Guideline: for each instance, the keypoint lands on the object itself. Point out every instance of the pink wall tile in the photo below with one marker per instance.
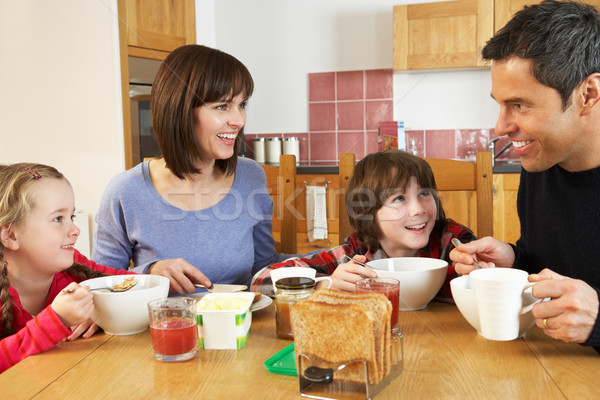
(321, 86)
(469, 142)
(376, 111)
(372, 144)
(419, 137)
(440, 144)
(350, 85)
(380, 84)
(352, 142)
(350, 116)
(323, 146)
(322, 117)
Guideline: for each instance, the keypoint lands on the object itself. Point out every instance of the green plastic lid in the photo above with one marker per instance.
(283, 362)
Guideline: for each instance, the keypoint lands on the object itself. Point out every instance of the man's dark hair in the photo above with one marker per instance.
(562, 40)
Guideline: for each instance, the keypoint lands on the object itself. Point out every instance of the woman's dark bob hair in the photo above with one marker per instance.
(374, 178)
(191, 76)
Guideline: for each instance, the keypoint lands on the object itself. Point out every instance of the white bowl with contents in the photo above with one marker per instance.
(125, 313)
(420, 278)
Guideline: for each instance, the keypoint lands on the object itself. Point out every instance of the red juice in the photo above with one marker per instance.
(174, 337)
(391, 291)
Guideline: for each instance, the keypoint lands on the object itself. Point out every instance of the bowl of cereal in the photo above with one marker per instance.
(125, 313)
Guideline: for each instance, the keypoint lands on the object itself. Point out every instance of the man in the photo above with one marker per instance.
(546, 78)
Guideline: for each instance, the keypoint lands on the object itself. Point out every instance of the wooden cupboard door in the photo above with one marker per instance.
(505, 9)
(441, 35)
(157, 27)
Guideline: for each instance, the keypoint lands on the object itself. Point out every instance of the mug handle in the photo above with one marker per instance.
(528, 308)
(325, 278)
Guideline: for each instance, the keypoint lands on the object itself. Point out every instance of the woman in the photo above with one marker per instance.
(199, 213)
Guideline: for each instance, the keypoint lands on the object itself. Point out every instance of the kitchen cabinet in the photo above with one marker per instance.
(442, 35)
(506, 221)
(149, 29)
(157, 27)
(450, 34)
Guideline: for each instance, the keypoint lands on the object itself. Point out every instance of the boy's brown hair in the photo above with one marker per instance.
(374, 178)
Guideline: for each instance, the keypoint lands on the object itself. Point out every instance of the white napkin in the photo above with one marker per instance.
(316, 212)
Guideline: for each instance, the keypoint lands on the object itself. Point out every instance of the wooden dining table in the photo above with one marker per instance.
(444, 358)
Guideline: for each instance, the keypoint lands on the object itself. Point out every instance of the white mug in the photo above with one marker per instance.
(305, 272)
(499, 293)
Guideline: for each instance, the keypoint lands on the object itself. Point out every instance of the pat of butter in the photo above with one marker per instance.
(224, 304)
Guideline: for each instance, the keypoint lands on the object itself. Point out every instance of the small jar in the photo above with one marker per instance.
(289, 292)
(258, 145)
(291, 145)
(272, 150)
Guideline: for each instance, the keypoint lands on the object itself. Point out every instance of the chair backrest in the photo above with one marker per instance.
(281, 183)
(466, 190)
(346, 168)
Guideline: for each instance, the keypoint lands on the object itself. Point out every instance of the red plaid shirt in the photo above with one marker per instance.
(326, 262)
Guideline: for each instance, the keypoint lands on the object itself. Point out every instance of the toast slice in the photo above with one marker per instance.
(335, 333)
(380, 309)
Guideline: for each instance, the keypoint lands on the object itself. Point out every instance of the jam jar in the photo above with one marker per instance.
(290, 291)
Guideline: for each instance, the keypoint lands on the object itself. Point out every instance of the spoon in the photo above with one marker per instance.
(121, 287)
(457, 243)
(222, 288)
(358, 262)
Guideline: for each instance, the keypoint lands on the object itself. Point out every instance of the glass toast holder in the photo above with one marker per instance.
(317, 378)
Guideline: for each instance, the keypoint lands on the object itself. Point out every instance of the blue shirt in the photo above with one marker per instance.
(228, 242)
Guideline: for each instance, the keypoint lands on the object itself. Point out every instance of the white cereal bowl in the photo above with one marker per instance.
(420, 278)
(125, 313)
(464, 297)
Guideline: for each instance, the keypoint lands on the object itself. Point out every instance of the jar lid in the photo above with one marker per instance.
(295, 282)
(259, 139)
(292, 138)
(274, 139)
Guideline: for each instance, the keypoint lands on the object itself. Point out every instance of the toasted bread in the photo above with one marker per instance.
(335, 333)
(379, 308)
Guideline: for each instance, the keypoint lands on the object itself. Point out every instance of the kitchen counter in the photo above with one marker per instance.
(306, 168)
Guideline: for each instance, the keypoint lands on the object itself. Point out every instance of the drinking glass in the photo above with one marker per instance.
(389, 287)
(173, 328)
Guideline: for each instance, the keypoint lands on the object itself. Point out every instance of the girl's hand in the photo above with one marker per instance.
(86, 329)
(345, 275)
(73, 308)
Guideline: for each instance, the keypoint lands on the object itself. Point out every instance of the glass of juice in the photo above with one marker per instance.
(389, 287)
(173, 328)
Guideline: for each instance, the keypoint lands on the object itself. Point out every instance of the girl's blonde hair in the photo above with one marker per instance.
(17, 197)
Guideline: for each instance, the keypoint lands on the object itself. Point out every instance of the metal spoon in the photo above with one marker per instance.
(358, 262)
(457, 243)
(115, 288)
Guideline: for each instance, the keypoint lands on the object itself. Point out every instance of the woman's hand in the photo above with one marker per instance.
(488, 252)
(345, 275)
(181, 274)
(75, 307)
(571, 313)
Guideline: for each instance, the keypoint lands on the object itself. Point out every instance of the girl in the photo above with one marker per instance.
(39, 268)
(199, 213)
(393, 205)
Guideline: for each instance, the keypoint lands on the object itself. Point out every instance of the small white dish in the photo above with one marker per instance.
(264, 302)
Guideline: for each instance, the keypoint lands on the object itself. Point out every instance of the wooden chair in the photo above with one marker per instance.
(465, 188)
(466, 191)
(281, 183)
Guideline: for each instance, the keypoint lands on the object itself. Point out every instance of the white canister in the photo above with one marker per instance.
(291, 145)
(258, 145)
(272, 150)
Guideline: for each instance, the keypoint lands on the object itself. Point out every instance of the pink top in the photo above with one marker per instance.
(43, 332)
